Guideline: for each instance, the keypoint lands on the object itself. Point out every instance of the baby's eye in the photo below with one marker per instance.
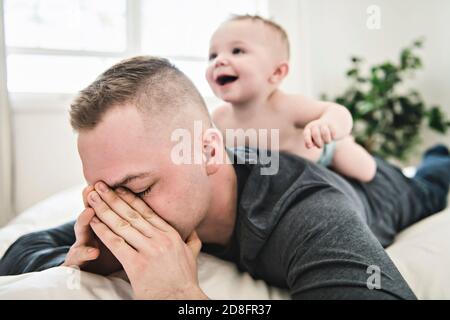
(212, 56)
(238, 51)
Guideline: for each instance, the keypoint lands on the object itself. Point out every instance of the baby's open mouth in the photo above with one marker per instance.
(225, 79)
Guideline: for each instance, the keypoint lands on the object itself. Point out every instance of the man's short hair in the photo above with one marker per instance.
(152, 84)
(268, 23)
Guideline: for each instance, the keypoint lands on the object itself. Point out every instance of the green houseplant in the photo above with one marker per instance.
(387, 117)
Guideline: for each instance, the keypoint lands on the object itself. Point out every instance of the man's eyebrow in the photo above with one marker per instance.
(129, 178)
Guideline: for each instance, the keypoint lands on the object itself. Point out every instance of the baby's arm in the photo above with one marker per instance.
(352, 160)
(322, 121)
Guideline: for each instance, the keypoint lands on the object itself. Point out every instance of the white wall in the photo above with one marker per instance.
(46, 157)
(337, 30)
(293, 16)
(6, 210)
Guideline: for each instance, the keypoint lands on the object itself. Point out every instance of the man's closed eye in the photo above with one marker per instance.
(143, 193)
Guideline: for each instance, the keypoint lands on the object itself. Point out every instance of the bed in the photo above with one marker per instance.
(421, 253)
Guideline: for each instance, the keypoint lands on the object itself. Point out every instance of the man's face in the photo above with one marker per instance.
(123, 151)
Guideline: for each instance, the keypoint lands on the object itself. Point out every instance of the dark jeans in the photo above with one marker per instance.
(433, 176)
(395, 202)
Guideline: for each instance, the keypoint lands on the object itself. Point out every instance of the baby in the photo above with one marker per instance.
(249, 57)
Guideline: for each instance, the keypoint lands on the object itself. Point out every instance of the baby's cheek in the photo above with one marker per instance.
(208, 75)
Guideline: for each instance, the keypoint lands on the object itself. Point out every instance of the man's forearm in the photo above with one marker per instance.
(38, 251)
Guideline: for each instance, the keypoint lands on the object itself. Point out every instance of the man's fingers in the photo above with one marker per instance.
(119, 226)
(86, 191)
(82, 230)
(194, 243)
(124, 210)
(78, 256)
(85, 217)
(116, 244)
(88, 253)
(144, 210)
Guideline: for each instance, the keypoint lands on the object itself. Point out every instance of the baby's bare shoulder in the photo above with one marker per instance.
(288, 103)
(299, 100)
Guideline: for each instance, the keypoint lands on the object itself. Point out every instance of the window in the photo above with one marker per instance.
(60, 46)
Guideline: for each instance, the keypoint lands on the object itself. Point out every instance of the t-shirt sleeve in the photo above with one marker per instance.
(38, 251)
(327, 252)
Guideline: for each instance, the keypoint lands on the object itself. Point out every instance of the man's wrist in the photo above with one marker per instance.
(200, 295)
(195, 293)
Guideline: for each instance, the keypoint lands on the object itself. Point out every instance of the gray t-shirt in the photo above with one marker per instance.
(306, 229)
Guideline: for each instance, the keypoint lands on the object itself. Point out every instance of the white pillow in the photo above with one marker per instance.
(63, 283)
(218, 279)
(422, 255)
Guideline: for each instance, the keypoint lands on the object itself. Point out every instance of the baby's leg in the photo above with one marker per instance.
(352, 160)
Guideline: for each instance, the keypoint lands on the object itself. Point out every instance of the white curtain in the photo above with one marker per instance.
(6, 207)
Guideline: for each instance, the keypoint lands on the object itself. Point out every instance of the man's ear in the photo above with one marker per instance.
(213, 150)
(280, 72)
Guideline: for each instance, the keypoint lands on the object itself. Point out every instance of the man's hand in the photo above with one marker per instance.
(317, 133)
(88, 253)
(158, 263)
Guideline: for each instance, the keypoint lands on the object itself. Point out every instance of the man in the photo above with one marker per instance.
(303, 228)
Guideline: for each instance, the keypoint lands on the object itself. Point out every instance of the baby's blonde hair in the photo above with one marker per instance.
(268, 23)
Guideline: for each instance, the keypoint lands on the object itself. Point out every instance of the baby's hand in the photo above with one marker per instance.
(317, 133)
